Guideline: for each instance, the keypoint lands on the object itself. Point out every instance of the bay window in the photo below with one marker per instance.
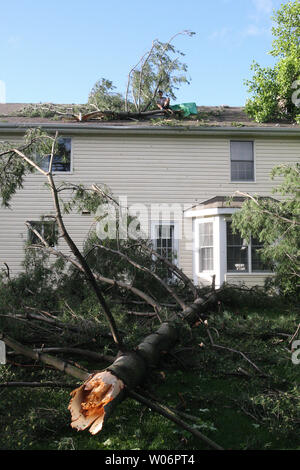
(243, 256)
(206, 250)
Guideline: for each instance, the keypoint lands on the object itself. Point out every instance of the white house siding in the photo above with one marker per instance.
(249, 280)
(147, 169)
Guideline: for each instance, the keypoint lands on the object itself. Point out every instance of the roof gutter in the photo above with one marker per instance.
(180, 130)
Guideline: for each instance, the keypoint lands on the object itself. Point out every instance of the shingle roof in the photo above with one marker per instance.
(224, 202)
(208, 116)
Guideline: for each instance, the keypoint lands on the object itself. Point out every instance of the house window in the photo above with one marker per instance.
(61, 160)
(243, 256)
(47, 229)
(164, 241)
(206, 250)
(242, 160)
(237, 252)
(257, 265)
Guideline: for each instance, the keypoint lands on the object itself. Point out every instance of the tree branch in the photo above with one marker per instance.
(265, 211)
(171, 415)
(146, 270)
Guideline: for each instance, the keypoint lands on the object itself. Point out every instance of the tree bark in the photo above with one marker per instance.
(94, 401)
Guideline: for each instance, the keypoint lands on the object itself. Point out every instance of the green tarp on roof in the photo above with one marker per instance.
(187, 108)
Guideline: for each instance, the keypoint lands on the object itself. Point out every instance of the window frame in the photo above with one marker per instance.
(249, 259)
(155, 224)
(30, 233)
(57, 172)
(247, 247)
(253, 141)
(204, 220)
(202, 247)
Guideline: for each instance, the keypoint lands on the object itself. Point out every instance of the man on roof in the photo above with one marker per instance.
(162, 101)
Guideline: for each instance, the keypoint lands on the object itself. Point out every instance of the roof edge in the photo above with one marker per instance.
(205, 130)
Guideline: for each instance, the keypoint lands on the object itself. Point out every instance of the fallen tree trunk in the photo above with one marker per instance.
(122, 114)
(94, 401)
(85, 114)
(102, 391)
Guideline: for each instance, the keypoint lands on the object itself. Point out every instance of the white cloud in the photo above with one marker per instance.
(260, 18)
(263, 6)
(220, 33)
(255, 30)
(13, 41)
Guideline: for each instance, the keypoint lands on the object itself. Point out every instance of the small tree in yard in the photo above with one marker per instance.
(275, 90)
(277, 225)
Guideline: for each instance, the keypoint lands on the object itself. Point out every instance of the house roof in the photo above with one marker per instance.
(209, 118)
(223, 202)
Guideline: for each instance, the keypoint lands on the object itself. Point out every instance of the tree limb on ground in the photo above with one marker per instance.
(95, 400)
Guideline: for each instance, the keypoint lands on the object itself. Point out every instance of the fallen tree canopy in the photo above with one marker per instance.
(182, 379)
(159, 68)
(97, 398)
(85, 113)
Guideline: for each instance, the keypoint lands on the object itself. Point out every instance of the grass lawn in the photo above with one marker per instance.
(234, 404)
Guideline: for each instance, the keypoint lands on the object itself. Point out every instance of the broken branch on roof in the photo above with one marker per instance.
(84, 113)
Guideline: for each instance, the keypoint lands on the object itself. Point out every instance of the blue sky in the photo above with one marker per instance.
(55, 51)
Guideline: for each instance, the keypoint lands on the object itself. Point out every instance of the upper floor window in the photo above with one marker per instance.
(61, 160)
(241, 160)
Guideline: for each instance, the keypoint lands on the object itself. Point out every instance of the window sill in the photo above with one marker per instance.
(56, 173)
(242, 181)
(247, 273)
